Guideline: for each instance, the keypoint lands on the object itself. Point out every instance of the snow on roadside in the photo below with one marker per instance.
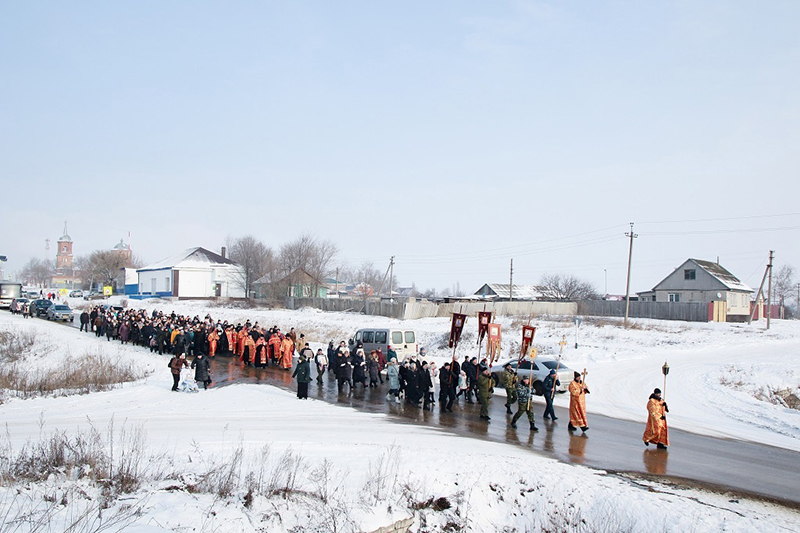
(381, 471)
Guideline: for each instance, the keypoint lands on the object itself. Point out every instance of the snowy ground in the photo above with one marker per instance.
(720, 374)
(377, 471)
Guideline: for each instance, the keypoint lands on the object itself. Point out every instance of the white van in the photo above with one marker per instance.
(402, 341)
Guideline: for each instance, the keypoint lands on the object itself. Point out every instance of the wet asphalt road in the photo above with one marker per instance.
(610, 444)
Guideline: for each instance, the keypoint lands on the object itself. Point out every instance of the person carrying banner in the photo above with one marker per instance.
(484, 391)
(577, 404)
(656, 430)
(510, 384)
(524, 403)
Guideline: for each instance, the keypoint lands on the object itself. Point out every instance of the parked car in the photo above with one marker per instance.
(94, 296)
(41, 306)
(537, 370)
(77, 293)
(59, 312)
(402, 341)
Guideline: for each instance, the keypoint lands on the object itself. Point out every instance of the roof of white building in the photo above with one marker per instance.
(196, 257)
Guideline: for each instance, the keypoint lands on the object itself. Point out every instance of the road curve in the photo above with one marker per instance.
(610, 444)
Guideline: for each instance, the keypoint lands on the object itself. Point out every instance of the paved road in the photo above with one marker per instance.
(611, 444)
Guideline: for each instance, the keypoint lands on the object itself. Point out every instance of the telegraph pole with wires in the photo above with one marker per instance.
(511, 282)
(391, 276)
(769, 288)
(632, 236)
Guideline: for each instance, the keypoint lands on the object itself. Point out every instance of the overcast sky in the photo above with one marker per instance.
(454, 135)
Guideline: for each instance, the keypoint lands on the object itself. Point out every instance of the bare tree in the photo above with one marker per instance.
(37, 272)
(309, 254)
(255, 258)
(567, 287)
(783, 283)
(367, 279)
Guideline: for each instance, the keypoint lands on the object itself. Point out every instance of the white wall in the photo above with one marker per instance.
(163, 281)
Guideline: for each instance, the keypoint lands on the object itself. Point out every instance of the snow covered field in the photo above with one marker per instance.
(321, 467)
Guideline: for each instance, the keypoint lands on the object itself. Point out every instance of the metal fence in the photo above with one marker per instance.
(686, 311)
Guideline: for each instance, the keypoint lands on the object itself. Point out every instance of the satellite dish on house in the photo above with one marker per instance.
(719, 295)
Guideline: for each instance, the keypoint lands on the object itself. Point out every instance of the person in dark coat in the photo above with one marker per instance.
(425, 385)
(303, 374)
(85, 321)
(447, 389)
(470, 368)
(413, 393)
(373, 366)
(548, 387)
(201, 373)
(343, 370)
(359, 367)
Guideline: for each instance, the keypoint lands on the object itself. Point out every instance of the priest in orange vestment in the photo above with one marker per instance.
(656, 430)
(287, 352)
(577, 404)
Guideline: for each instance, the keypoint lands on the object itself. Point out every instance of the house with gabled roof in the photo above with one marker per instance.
(504, 292)
(704, 282)
(192, 273)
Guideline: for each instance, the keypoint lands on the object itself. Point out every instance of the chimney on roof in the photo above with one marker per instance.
(717, 260)
(223, 251)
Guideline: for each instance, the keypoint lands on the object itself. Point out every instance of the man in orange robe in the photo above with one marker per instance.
(656, 430)
(577, 404)
(213, 337)
(248, 349)
(240, 335)
(287, 351)
(275, 342)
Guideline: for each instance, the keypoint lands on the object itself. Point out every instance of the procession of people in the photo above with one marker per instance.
(412, 381)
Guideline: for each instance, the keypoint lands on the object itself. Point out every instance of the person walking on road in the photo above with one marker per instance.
(510, 384)
(393, 377)
(523, 401)
(656, 430)
(303, 374)
(577, 404)
(549, 387)
(484, 391)
(321, 360)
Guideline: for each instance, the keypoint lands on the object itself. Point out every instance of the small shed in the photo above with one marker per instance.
(195, 273)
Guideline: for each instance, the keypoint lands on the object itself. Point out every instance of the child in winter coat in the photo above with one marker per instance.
(462, 384)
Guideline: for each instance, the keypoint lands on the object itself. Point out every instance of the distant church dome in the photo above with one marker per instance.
(121, 246)
(65, 237)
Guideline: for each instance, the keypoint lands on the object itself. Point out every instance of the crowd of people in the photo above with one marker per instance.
(412, 380)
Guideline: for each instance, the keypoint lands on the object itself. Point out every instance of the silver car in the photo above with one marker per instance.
(537, 370)
(59, 312)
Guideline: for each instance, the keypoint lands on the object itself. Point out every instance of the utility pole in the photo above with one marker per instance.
(769, 288)
(605, 274)
(632, 236)
(337, 282)
(797, 304)
(511, 283)
(391, 276)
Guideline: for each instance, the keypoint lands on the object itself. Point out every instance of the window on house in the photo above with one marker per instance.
(674, 297)
(689, 273)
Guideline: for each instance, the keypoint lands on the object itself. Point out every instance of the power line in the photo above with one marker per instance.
(719, 219)
(719, 231)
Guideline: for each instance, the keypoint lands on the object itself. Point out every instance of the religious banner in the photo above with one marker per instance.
(484, 317)
(456, 326)
(493, 344)
(527, 338)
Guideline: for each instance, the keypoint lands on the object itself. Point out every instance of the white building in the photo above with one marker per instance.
(193, 273)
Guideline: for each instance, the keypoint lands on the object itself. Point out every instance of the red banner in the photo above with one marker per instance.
(493, 344)
(484, 317)
(456, 326)
(527, 338)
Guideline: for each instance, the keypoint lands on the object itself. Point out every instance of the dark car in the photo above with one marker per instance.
(41, 306)
(59, 312)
